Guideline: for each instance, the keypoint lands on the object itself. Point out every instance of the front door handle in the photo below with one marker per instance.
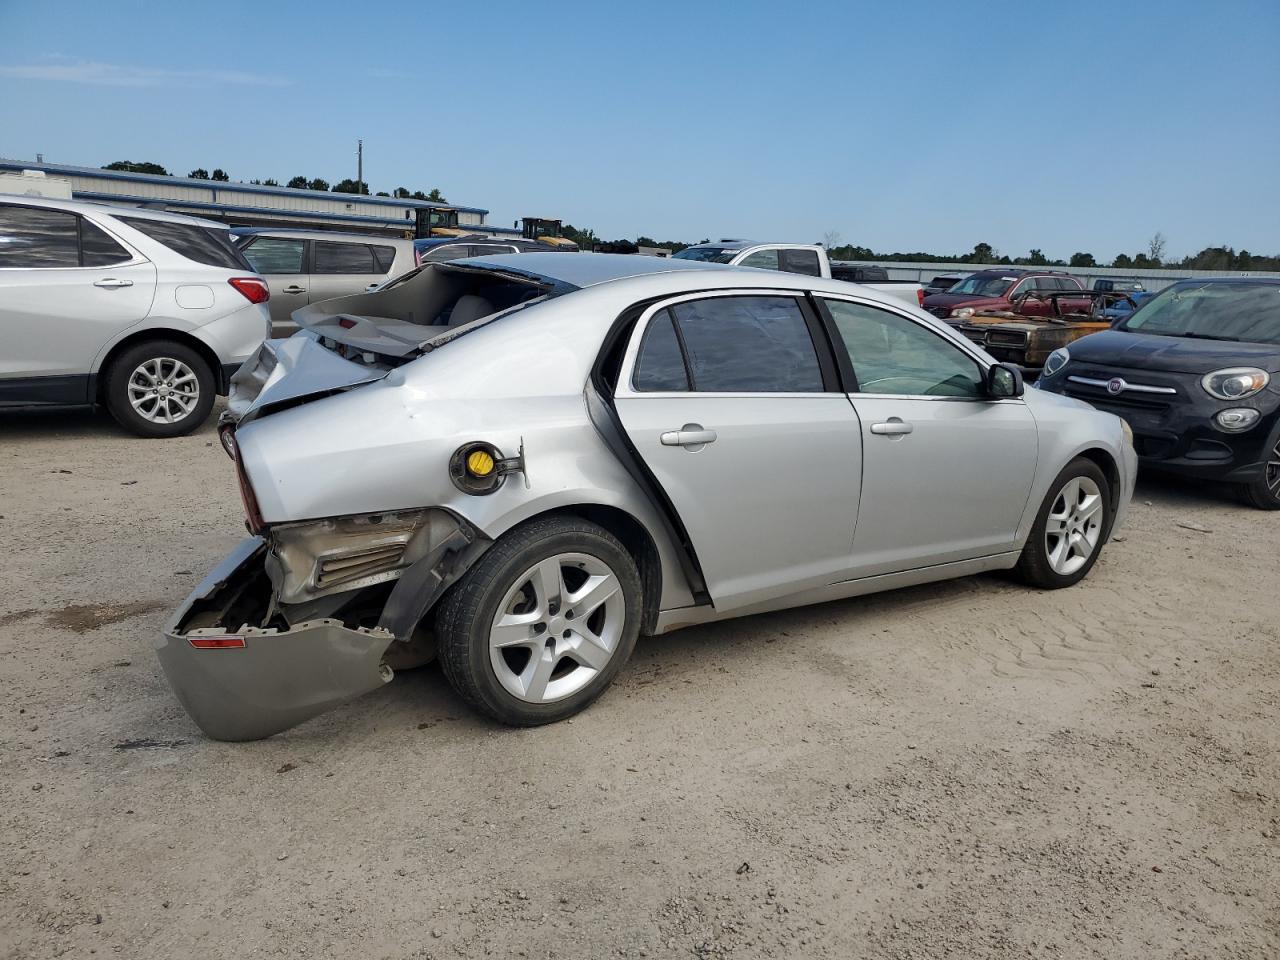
(692, 436)
(893, 427)
(111, 283)
(295, 289)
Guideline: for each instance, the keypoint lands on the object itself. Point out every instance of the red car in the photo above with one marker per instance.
(997, 289)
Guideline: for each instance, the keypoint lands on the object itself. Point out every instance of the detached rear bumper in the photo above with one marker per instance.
(278, 678)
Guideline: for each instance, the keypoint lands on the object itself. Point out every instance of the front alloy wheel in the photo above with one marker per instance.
(540, 626)
(1264, 493)
(1069, 528)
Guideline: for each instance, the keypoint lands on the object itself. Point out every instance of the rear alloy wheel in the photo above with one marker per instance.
(1264, 493)
(540, 626)
(1069, 528)
(160, 389)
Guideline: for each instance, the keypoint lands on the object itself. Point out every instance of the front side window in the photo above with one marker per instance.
(761, 259)
(211, 247)
(800, 261)
(38, 237)
(270, 255)
(747, 345)
(342, 258)
(893, 355)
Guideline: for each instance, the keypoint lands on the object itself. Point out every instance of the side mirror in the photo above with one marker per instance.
(1004, 382)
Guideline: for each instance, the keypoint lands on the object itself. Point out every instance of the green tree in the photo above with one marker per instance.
(220, 175)
(402, 192)
(319, 184)
(350, 186)
(436, 196)
(199, 173)
(299, 183)
(270, 183)
(1083, 260)
(982, 253)
(130, 167)
(382, 193)
(1035, 258)
(1123, 261)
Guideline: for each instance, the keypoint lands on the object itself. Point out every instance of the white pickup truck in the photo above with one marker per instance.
(809, 259)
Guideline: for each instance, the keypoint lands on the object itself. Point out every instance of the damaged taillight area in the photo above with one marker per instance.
(252, 512)
(311, 614)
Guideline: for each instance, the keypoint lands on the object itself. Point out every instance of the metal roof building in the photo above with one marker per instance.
(247, 204)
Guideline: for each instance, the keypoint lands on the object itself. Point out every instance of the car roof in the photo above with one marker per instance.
(91, 207)
(588, 269)
(1270, 281)
(293, 233)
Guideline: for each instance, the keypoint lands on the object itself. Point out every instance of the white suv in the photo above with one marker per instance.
(147, 312)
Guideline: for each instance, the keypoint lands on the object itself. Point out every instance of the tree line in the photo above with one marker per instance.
(349, 185)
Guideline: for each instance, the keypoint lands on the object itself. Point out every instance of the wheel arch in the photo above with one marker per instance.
(635, 537)
(1110, 469)
(98, 385)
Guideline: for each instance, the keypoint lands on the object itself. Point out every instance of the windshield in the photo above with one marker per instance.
(707, 254)
(1216, 311)
(977, 286)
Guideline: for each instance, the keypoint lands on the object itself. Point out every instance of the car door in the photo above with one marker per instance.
(339, 269)
(67, 286)
(732, 402)
(946, 470)
(282, 262)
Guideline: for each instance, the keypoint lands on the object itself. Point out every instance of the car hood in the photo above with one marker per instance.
(961, 300)
(1143, 351)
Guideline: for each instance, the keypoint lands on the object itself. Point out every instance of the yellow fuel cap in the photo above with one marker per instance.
(479, 463)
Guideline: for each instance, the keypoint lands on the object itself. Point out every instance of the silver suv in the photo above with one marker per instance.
(149, 313)
(306, 266)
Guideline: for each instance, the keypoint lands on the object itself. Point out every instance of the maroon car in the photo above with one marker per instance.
(997, 289)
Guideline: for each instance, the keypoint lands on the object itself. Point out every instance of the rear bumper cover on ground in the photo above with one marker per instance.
(279, 678)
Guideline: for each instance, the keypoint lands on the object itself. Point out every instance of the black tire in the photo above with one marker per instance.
(465, 615)
(1264, 493)
(118, 383)
(1034, 566)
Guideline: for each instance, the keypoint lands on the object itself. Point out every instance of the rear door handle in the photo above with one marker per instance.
(295, 289)
(691, 435)
(111, 283)
(893, 427)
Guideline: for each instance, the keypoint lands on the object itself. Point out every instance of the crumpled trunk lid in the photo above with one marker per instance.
(288, 370)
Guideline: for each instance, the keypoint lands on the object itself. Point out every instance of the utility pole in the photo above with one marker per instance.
(359, 166)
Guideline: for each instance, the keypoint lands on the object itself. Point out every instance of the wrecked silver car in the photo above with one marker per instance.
(519, 464)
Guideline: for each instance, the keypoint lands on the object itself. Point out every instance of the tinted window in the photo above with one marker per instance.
(384, 257)
(448, 251)
(660, 365)
(36, 237)
(748, 345)
(98, 249)
(983, 285)
(489, 249)
(342, 258)
(201, 244)
(801, 261)
(275, 255)
(894, 355)
(762, 259)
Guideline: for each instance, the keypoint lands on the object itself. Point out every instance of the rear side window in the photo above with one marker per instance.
(384, 257)
(448, 251)
(211, 247)
(38, 237)
(98, 249)
(270, 255)
(343, 258)
(660, 365)
(761, 259)
(800, 261)
(748, 345)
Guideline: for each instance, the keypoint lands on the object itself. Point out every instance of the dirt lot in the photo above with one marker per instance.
(964, 770)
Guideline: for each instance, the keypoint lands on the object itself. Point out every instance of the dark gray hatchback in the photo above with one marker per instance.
(1195, 371)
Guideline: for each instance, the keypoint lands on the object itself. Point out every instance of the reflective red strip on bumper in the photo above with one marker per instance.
(217, 643)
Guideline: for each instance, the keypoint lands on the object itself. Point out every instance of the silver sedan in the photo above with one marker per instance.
(520, 464)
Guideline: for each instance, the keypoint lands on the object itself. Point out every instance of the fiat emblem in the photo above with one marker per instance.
(1116, 385)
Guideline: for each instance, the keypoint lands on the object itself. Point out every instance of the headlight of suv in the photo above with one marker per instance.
(962, 313)
(1236, 383)
(1056, 361)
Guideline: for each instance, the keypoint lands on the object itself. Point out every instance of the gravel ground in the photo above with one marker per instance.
(969, 769)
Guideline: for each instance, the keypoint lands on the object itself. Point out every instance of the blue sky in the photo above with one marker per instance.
(930, 125)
